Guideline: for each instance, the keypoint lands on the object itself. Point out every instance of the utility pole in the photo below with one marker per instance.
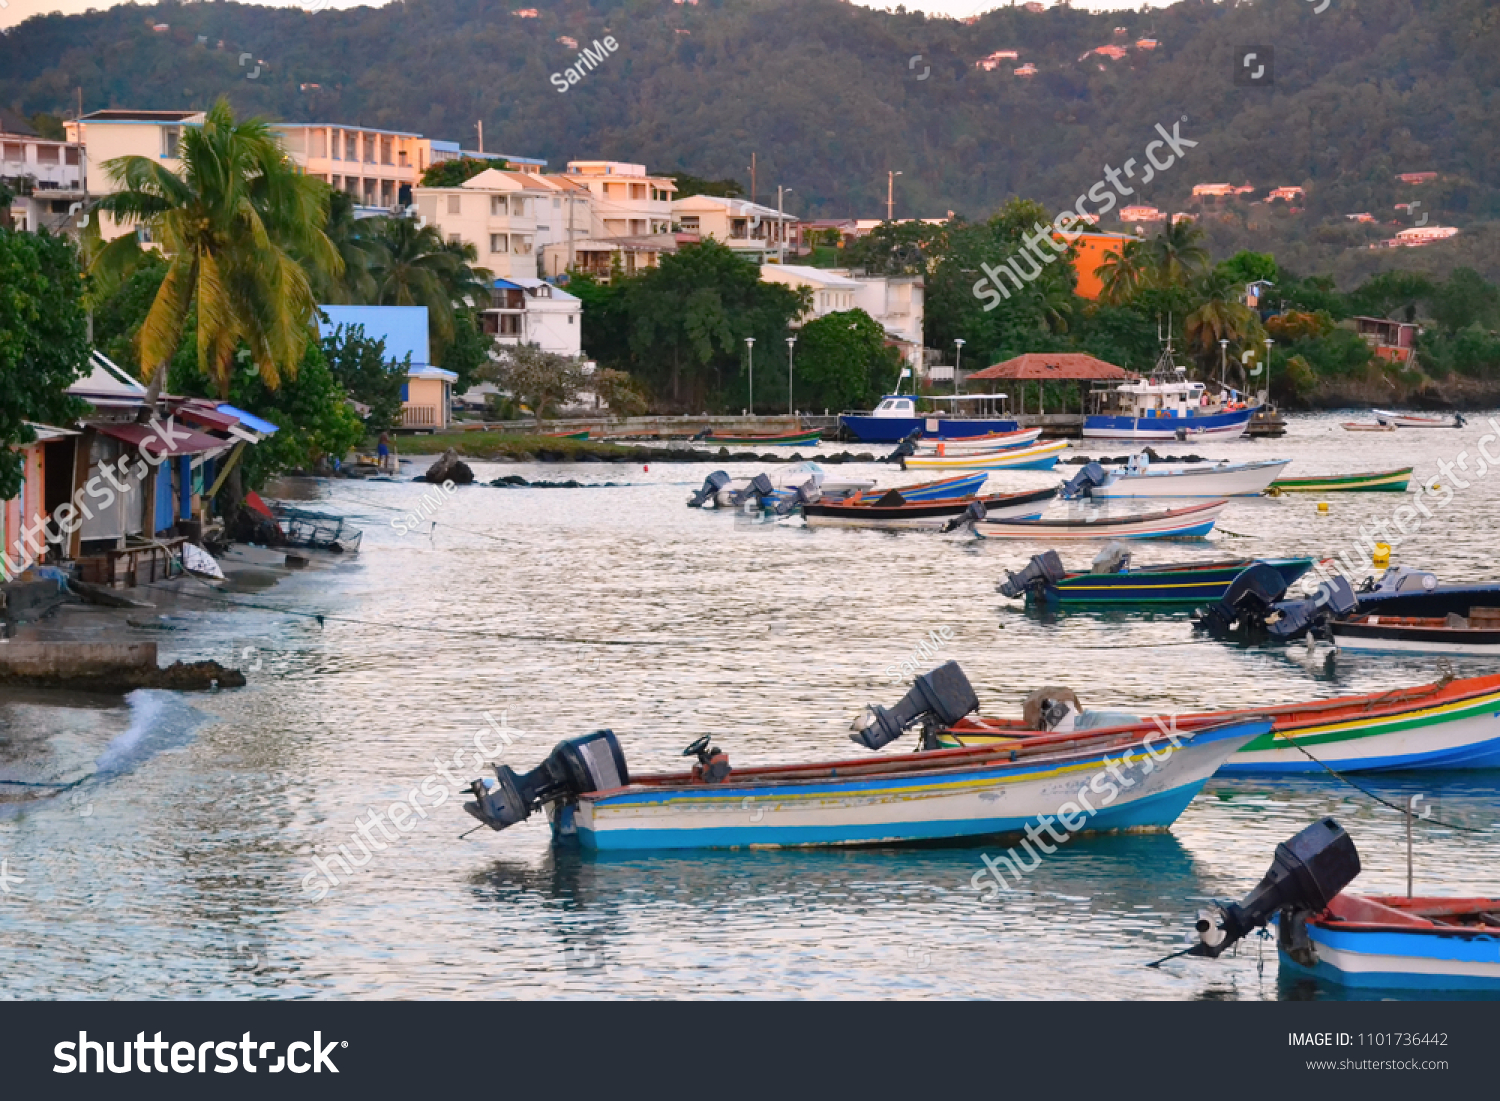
(790, 408)
(890, 195)
(752, 177)
(750, 352)
(480, 124)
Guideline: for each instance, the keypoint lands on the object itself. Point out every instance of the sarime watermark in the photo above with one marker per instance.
(427, 506)
(589, 59)
(1075, 815)
(930, 647)
(1439, 490)
(1047, 242)
(404, 814)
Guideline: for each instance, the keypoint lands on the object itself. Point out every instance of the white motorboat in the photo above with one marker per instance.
(1226, 479)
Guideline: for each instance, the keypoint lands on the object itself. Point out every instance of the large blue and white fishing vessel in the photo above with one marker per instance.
(1166, 406)
(896, 417)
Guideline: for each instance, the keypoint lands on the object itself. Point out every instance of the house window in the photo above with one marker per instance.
(518, 206)
(498, 209)
(351, 149)
(171, 138)
(46, 154)
(570, 319)
(455, 239)
(385, 151)
(690, 223)
(498, 243)
(521, 244)
(369, 148)
(405, 391)
(556, 204)
(455, 204)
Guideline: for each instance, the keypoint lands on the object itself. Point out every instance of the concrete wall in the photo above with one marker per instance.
(74, 659)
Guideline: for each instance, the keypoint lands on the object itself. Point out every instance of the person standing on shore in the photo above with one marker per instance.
(386, 453)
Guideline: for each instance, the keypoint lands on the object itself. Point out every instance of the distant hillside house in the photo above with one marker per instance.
(1183, 216)
(526, 13)
(1288, 194)
(1146, 44)
(1142, 214)
(1113, 52)
(1027, 69)
(755, 231)
(1417, 177)
(1212, 190)
(992, 62)
(1362, 216)
(1392, 341)
(1425, 235)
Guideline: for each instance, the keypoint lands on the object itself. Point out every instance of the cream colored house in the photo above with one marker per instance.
(626, 201)
(106, 135)
(494, 211)
(757, 232)
(830, 293)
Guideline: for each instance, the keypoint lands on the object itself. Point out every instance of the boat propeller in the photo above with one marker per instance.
(576, 766)
(1307, 872)
(711, 487)
(938, 698)
(974, 513)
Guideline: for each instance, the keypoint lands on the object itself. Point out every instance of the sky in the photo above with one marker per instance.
(14, 11)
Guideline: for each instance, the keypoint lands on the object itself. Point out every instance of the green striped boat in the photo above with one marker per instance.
(1391, 481)
(785, 439)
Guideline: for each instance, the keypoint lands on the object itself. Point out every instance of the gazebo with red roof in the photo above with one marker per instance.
(1045, 367)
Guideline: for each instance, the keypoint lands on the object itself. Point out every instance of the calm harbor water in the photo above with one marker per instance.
(179, 865)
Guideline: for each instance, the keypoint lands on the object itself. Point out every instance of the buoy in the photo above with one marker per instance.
(646, 469)
(1322, 506)
(1382, 556)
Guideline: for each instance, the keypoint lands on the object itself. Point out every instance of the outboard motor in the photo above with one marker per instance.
(591, 762)
(711, 487)
(1309, 870)
(908, 446)
(1044, 569)
(1114, 558)
(796, 498)
(760, 486)
(938, 698)
(1334, 600)
(975, 512)
(1248, 601)
(1086, 479)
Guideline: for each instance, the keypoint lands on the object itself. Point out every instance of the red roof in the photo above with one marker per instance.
(149, 437)
(1053, 365)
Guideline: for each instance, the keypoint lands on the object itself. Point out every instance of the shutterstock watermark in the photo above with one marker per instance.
(1075, 815)
(404, 814)
(1046, 243)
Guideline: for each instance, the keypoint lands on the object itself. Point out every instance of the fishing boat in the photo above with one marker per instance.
(1166, 406)
(1389, 481)
(1449, 724)
(1474, 635)
(896, 417)
(781, 439)
(1356, 426)
(1378, 942)
(959, 485)
(1140, 478)
(1038, 456)
(959, 794)
(1192, 522)
(893, 512)
(990, 441)
(1113, 580)
(1409, 420)
(580, 435)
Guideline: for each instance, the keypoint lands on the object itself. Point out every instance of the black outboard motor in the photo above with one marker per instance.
(938, 698)
(760, 486)
(976, 511)
(1086, 479)
(711, 487)
(804, 494)
(1309, 870)
(1043, 570)
(908, 446)
(1334, 600)
(1249, 600)
(591, 762)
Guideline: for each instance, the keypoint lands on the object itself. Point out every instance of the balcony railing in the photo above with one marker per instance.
(419, 416)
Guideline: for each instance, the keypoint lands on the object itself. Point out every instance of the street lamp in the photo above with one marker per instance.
(1223, 366)
(957, 362)
(790, 341)
(1269, 342)
(750, 351)
(890, 195)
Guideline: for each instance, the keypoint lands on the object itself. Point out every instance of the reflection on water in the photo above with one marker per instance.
(179, 867)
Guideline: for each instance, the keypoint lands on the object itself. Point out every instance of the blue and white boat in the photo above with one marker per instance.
(1140, 777)
(1166, 406)
(896, 417)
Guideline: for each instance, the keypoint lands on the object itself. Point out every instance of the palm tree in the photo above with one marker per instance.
(1175, 256)
(229, 227)
(354, 286)
(1221, 315)
(411, 265)
(1122, 273)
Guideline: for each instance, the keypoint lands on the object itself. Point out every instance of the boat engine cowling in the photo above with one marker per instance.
(942, 696)
(793, 499)
(1250, 600)
(1086, 479)
(1308, 871)
(760, 486)
(1335, 598)
(1044, 569)
(907, 446)
(590, 762)
(711, 487)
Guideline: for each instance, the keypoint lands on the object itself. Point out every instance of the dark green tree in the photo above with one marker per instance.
(359, 364)
(843, 362)
(456, 172)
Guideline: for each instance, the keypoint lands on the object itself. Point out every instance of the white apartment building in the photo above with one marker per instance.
(109, 134)
(494, 211)
(898, 303)
(627, 202)
(46, 177)
(831, 293)
(531, 311)
(758, 232)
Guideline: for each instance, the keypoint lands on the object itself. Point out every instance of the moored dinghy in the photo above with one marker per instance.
(1114, 581)
(1035, 456)
(1412, 420)
(1390, 481)
(1192, 522)
(590, 796)
(1139, 478)
(893, 512)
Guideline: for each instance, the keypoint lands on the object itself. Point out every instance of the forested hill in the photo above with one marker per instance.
(829, 96)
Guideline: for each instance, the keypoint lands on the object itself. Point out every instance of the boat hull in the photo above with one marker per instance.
(1388, 481)
(868, 429)
(928, 516)
(1244, 480)
(1105, 427)
(1404, 420)
(1188, 584)
(1034, 457)
(1396, 957)
(1001, 442)
(949, 804)
(1382, 638)
(1187, 523)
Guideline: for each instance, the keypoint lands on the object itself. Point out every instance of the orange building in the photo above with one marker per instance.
(1088, 257)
